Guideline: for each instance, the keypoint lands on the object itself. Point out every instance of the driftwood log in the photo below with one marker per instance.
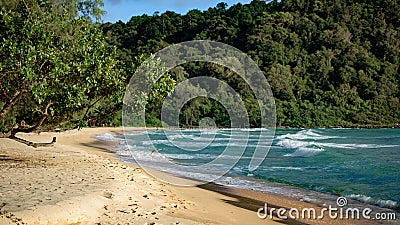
(33, 144)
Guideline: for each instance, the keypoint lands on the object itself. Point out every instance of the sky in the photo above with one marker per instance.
(124, 9)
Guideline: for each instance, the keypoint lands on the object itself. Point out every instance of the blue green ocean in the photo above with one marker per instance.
(361, 164)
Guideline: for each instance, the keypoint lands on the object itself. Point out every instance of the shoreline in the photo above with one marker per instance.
(250, 199)
(317, 199)
(318, 195)
(110, 196)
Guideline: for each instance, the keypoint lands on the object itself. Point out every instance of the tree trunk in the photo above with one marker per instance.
(34, 127)
(11, 102)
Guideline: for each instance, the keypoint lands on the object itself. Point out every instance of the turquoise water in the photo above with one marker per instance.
(362, 164)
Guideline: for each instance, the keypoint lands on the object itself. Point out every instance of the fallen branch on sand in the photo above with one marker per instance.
(35, 145)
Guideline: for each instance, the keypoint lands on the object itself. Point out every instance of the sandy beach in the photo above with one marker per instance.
(79, 181)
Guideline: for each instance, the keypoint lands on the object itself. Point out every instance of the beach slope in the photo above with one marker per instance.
(78, 181)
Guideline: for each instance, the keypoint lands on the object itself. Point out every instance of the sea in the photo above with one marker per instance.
(312, 165)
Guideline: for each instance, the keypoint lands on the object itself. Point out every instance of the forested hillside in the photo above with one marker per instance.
(329, 63)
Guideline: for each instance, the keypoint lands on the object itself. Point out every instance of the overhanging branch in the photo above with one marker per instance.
(10, 103)
(34, 127)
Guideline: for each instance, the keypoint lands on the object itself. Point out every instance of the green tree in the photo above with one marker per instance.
(49, 74)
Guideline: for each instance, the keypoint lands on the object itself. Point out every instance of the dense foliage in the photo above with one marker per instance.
(329, 63)
(55, 66)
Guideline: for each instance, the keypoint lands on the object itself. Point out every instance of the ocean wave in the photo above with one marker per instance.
(153, 142)
(206, 139)
(108, 137)
(369, 200)
(186, 156)
(253, 129)
(292, 144)
(201, 145)
(308, 134)
(295, 144)
(158, 155)
(284, 168)
(240, 169)
(355, 146)
(209, 132)
(305, 152)
(180, 136)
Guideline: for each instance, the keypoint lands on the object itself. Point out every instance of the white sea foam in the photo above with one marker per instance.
(253, 129)
(239, 136)
(208, 132)
(152, 142)
(308, 134)
(196, 145)
(186, 156)
(305, 152)
(180, 136)
(284, 168)
(372, 201)
(292, 144)
(354, 146)
(299, 140)
(108, 137)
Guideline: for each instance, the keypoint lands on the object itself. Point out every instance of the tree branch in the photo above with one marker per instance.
(87, 110)
(34, 127)
(10, 103)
